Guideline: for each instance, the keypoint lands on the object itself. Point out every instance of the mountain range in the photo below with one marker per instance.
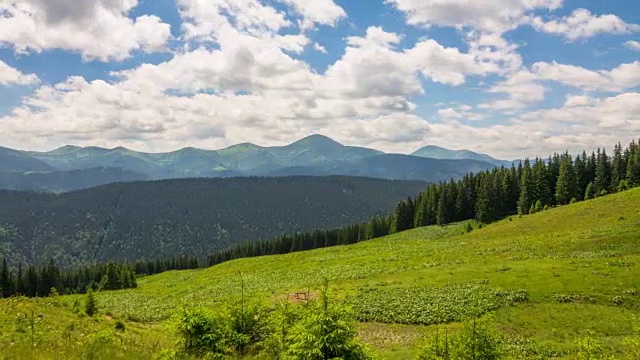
(71, 167)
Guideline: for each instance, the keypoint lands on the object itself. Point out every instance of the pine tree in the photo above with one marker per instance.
(567, 185)
(7, 282)
(581, 176)
(590, 192)
(602, 181)
(633, 165)
(526, 182)
(442, 217)
(90, 306)
(484, 204)
(618, 168)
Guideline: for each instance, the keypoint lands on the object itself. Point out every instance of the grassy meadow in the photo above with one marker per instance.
(548, 279)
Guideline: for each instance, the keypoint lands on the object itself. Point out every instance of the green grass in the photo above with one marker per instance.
(578, 265)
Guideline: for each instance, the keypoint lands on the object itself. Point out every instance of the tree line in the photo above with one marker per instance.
(49, 279)
(529, 187)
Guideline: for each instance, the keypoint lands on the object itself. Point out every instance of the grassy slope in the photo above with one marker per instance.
(577, 249)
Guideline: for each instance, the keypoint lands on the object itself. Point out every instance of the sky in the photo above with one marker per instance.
(511, 78)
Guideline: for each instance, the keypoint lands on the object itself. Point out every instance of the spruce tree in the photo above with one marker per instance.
(90, 305)
(618, 168)
(602, 181)
(525, 201)
(484, 204)
(7, 282)
(567, 185)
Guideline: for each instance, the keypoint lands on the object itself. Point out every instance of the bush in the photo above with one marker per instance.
(478, 340)
(202, 333)
(573, 201)
(90, 306)
(623, 186)
(538, 206)
(326, 331)
(591, 348)
(248, 325)
(120, 326)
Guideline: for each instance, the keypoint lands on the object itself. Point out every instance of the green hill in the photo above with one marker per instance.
(548, 278)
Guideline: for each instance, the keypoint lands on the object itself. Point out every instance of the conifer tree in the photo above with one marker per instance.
(484, 204)
(602, 181)
(567, 185)
(525, 201)
(7, 282)
(618, 168)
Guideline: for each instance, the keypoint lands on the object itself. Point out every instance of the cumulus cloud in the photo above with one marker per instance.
(98, 30)
(625, 76)
(323, 12)
(484, 15)
(521, 88)
(9, 75)
(633, 45)
(582, 24)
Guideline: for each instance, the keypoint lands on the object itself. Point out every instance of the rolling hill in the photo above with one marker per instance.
(158, 219)
(574, 269)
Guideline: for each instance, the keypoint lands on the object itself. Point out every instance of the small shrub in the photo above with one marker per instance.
(573, 201)
(623, 185)
(539, 206)
(90, 305)
(326, 330)
(618, 300)
(546, 207)
(120, 326)
(590, 348)
(603, 192)
(202, 333)
(468, 228)
(478, 340)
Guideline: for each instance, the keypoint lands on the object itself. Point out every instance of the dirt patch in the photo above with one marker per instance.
(298, 297)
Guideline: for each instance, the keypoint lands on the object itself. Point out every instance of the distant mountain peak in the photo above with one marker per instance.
(65, 149)
(317, 140)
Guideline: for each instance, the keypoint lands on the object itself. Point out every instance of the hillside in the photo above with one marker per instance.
(576, 265)
(66, 180)
(158, 219)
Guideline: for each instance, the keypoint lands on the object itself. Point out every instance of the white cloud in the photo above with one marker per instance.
(484, 15)
(633, 45)
(579, 100)
(320, 48)
(208, 20)
(582, 24)
(522, 90)
(625, 76)
(460, 112)
(323, 12)
(9, 75)
(96, 29)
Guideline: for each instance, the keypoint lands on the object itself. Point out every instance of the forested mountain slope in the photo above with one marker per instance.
(157, 219)
(65, 180)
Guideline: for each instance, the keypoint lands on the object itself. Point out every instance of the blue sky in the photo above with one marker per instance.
(507, 77)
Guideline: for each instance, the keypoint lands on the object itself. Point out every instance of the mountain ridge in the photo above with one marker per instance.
(315, 155)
